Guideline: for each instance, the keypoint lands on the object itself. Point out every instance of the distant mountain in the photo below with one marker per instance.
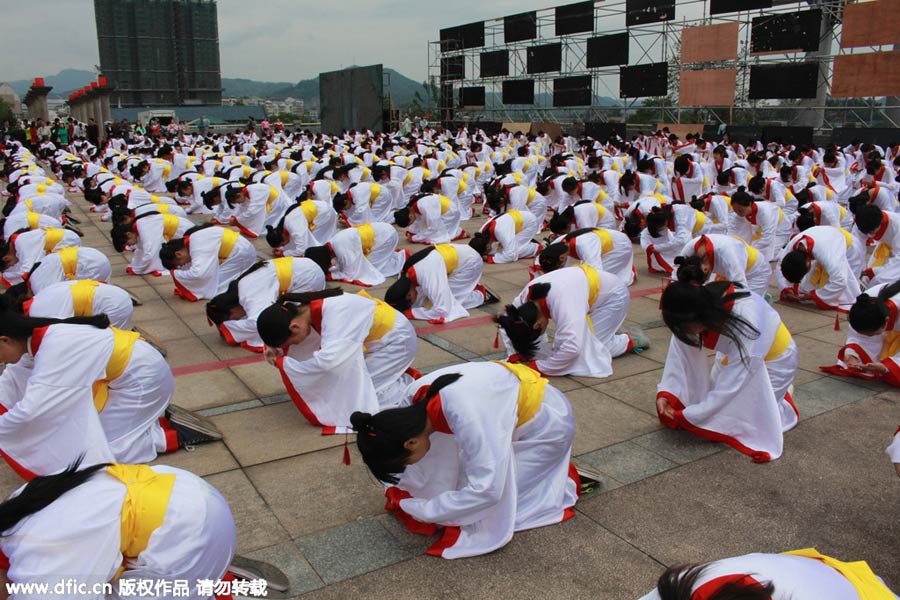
(63, 83)
(246, 88)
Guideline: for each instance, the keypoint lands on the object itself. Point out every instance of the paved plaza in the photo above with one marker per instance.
(666, 497)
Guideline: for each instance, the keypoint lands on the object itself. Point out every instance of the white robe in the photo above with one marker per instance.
(441, 296)
(55, 301)
(19, 220)
(661, 251)
(78, 536)
(259, 290)
(206, 275)
(745, 401)
(91, 264)
(434, 224)
(265, 205)
(884, 264)
(732, 259)
(301, 234)
(51, 417)
(335, 372)
(353, 265)
(603, 249)
(31, 247)
(760, 228)
(486, 476)
(150, 232)
(508, 245)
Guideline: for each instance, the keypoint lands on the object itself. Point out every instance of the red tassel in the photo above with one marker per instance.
(346, 450)
(663, 284)
(837, 321)
(497, 339)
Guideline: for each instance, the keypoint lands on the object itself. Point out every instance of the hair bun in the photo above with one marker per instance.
(361, 421)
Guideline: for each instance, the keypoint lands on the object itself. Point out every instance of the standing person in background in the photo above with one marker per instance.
(203, 125)
(93, 132)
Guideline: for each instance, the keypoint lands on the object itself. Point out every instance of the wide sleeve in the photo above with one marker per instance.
(435, 300)
(146, 255)
(508, 251)
(894, 449)
(569, 338)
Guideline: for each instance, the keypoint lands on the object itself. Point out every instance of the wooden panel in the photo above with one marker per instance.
(710, 87)
(513, 127)
(871, 24)
(554, 130)
(864, 75)
(681, 129)
(709, 42)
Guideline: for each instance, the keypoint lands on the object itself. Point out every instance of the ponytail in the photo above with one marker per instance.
(561, 221)
(20, 327)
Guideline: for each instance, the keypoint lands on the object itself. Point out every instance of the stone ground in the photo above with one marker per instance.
(667, 497)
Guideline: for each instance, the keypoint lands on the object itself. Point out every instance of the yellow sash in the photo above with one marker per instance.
(426, 174)
(166, 170)
(662, 199)
(163, 208)
(531, 193)
(34, 220)
(445, 203)
(531, 391)
(881, 254)
(83, 297)
(450, 256)
(517, 219)
(52, 236)
(366, 237)
(752, 256)
(284, 269)
(41, 189)
(28, 204)
(462, 187)
(373, 195)
(382, 322)
(68, 257)
(334, 188)
(847, 236)
(593, 279)
(858, 573)
(273, 193)
(891, 344)
(123, 344)
(700, 222)
(780, 343)
(408, 178)
(310, 211)
(606, 242)
(284, 178)
(518, 178)
(146, 500)
(819, 276)
(229, 239)
(170, 226)
(601, 210)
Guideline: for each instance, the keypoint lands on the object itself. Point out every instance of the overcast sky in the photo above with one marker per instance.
(266, 40)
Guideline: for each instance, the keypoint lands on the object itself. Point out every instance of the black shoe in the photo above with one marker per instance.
(489, 296)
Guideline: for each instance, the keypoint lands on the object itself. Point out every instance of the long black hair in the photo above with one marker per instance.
(396, 294)
(382, 436)
(518, 322)
(275, 235)
(41, 492)
(168, 249)
(561, 221)
(677, 583)
(686, 302)
(869, 314)
(219, 307)
(20, 327)
(273, 324)
(658, 220)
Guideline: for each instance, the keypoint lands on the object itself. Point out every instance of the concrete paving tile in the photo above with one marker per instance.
(313, 491)
(638, 391)
(827, 393)
(680, 447)
(351, 549)
(209, 389)
(9, 481)
(164, 330)
(290, 560)
(262, 378)
(257, 526)
(281, 426)
(659, 344)
(829, 335)
(415, 543)
(429, 355)
(219, 348)
(627, 462)
(575, 559)
(804, 376)
(478, 339)
(602, 421)
(830, 489)
(799, 320)
(448, 346)
(623, 366)
(643, 310)
(230, 408)
(815, 353)
(187, 351)
(154, 310)
(565, 384)
(205, 459)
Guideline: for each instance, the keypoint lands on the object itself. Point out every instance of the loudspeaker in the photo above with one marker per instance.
(462, 37)
(798, 80)
(495, 64)
(574, 18)
(641, 81)
(605, 131)
(641, 12)
(471, 96)
(453, 67)
(572, 91)
(717, 7)
(607, 50)
(793, 31)
(522, 26)
(519, 91)
(546, 58)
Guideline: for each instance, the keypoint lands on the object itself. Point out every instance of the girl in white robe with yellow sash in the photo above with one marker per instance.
(66, 264)
(364, 255)
(603, 249)
(206, 260)
(883, 229)
(305, 224)
(587, 306)
(78, 387)
(234, 311)
(147, 232)
(256, 206)
(25, 248)
(119, 524)
(430, 219)
(508, 237)
(796, 575)
(438, 284)
(483, 451)
(22, 220)
(668, 229)
(338, 353)
(82, 298)
(745, 401)
(728, 258)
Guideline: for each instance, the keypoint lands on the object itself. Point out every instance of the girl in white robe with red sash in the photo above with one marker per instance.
(430, 219)
(587, 306)
(484, 451)
(872, 349)
(581, 215)
(883, 229)
(234, 311)
(668, 229)
(365, 255)
(119, 524)
(365, 203)
(305, 224)
(757, 222)
(25, 248)
(603, 249)
(745, 402)
(206, 260)
(82, 298)
(74, 262)
(723, 257)
(508, 237)
(80, 389)
(256, 206)
(147, 232)
(439, 284)
(796, 575)
(338, 353)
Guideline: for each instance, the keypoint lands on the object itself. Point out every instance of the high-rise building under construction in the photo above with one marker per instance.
(160, 52)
